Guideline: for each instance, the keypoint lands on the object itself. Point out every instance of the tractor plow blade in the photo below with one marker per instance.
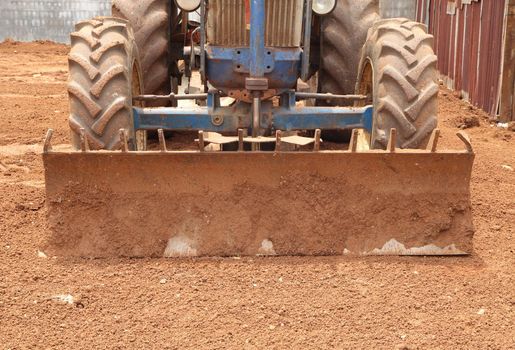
(104, 204)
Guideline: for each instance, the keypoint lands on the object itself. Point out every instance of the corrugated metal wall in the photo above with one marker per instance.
(28, 20)
(508, 75)
(469, 44)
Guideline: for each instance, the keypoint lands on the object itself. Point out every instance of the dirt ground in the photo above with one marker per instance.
(290, 302)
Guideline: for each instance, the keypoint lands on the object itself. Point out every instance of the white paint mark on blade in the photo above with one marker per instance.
(393, 247)
(179, 246)
(267, 248)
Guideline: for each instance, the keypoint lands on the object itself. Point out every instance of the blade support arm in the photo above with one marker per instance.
(230, 119)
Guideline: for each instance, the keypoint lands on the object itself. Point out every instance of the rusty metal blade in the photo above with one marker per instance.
(246, 203)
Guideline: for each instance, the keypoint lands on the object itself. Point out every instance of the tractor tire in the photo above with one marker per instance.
(150, 22)
(343, 34)
(398, 70)
(104, 75)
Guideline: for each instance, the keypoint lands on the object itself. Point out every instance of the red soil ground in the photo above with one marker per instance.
(289, 302)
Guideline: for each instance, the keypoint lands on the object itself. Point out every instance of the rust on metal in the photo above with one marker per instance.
(201, 143)
(123, 140)
(316, 146)
(240, 140)
(278, 140)
(84, 144)
(47, 145)
(433, 140)
(249, 203)
(466, 140)
(162, 140)
(353, 144)
(392, 141)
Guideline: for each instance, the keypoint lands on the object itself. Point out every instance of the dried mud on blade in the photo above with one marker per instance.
(158, 204)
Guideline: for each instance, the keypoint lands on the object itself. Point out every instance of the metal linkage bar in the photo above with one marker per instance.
(324, 118)
(222, 119)
(306, 41)
(171, 97)
(203, 41)
(321, 96)
(227, 119)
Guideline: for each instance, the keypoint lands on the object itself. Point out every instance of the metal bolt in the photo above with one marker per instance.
(217, 120)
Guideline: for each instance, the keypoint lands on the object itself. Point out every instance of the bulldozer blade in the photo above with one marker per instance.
(155, 204)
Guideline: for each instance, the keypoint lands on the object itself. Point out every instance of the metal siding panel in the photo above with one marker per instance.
(451, 72)
(469, 47)
(443, 23)
(458, 69)
(507, 107)
(490, 55)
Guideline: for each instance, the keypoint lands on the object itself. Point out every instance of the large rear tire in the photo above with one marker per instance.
(104, 74)
(398, 69)
(343, 34)
(150, 22)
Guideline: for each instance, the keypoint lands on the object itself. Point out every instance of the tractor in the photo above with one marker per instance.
(312, 124)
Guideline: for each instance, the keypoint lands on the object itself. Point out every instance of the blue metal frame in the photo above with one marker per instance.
(228, 68)
(257, 38)
(306, 41)
(287, 116)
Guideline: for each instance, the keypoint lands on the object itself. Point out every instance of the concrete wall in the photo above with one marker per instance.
(398, 8)
(27, 20)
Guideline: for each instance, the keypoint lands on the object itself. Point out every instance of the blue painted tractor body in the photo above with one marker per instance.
(253, 75)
